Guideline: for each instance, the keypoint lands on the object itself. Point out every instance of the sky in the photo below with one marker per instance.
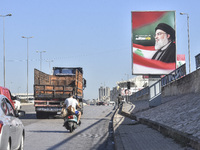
(92, 34)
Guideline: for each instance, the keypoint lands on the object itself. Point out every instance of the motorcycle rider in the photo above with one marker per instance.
(74, 103)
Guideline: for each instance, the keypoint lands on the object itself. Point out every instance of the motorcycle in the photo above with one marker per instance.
(70, 122)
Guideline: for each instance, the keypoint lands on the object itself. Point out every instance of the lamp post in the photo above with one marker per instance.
(188, 39)
(40, 58)
(4, 53)
(49, 61)
(27, 61)
(127, 87)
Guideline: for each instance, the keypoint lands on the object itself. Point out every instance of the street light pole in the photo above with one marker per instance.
(27, 61)
(127, 87)
(188, 39)
(40, 58)
(49, 61)
(4, 52)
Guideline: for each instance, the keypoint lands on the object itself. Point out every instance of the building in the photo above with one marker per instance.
(104, 93)
(114, 93)
(137, 83)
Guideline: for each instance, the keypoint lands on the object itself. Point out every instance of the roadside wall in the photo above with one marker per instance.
(135, 98)
(185, 85)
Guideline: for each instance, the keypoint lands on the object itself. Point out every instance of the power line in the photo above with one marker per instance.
(96, 53)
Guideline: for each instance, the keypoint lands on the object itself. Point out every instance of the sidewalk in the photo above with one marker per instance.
(130, 134)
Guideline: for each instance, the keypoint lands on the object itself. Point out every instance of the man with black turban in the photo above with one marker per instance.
(165, 43)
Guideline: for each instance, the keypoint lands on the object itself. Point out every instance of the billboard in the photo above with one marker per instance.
(153, 42)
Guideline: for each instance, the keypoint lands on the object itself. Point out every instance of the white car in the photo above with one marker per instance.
(12, 130)
(112, 103)
(17, 104)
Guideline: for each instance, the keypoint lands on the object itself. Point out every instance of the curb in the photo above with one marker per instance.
(116, 135)
(180, 137)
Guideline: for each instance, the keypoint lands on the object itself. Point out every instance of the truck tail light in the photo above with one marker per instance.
(1, 125)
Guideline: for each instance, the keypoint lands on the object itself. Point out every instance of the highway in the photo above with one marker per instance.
(49, 134)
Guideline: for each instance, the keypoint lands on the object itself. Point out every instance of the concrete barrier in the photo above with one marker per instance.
(185, 85)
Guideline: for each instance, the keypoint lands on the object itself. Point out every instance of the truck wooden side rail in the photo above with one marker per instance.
(50, 91)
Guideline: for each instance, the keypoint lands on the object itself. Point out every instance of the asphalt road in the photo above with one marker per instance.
(49, 134)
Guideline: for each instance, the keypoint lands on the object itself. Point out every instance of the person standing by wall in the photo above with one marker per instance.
(119, 99)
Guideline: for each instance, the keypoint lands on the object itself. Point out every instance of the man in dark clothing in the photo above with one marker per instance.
(119, 99)
(165, 44)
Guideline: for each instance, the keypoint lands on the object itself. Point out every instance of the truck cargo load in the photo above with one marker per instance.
(50, 91)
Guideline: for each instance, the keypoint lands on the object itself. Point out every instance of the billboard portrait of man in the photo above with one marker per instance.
(164, 43)
(153, 42)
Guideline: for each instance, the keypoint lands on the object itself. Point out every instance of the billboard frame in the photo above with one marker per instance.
(152, 74)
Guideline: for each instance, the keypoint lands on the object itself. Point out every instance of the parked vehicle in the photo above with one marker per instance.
(6, 92)
(12, 131)
(50, 91)
(100, 103)
(70, 122)
(17, 102)
(31, 100)
(111, 103)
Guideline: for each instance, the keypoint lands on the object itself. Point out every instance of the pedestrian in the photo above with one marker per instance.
(119, 99)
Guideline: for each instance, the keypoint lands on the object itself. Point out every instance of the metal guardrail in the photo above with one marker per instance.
(155, 94)
(155, 89)
(174, 75)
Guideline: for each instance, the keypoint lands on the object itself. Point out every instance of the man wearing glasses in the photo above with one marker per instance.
(165, 44)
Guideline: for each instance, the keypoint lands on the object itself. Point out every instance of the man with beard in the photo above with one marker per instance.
(165, 43)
